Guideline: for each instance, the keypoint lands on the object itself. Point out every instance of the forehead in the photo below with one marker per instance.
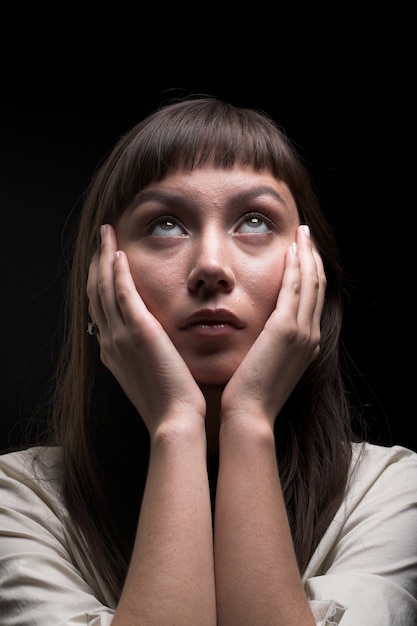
(221, 183)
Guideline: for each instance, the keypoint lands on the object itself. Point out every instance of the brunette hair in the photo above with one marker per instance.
(105, 443)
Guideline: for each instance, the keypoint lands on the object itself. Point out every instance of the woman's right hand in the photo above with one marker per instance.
(135, 347)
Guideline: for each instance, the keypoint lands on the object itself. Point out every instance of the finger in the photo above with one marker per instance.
(108, 310)
(289, 295)
(312, 281)
(132, 309)
(321, 292)
(94, 305)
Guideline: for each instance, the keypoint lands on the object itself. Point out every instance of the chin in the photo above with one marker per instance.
(214, 369)
(212, 377)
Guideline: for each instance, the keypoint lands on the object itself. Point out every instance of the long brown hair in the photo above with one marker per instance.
(105, 443)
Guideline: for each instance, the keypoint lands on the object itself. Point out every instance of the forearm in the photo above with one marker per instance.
(257, 578)
(171, 575)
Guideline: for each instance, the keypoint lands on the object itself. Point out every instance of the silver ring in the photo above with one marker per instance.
(92, 328)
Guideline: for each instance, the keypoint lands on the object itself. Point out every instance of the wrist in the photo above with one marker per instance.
(179, 433)
(240, 431)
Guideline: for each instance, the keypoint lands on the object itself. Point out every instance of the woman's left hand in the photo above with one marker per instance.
(288, 343)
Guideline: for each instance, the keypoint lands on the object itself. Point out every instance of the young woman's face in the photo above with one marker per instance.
(206, 250)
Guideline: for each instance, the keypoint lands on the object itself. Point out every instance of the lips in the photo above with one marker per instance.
(212, 318)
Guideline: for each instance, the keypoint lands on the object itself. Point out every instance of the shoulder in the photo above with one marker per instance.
(367, 558)
(381, 498)
(380, 501)
(375, 453)
(43, 555)
(31, 501)
(33, 473)
(383, 467)
(21, 463)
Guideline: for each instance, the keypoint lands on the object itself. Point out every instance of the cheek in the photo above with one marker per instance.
(156, 284)
(264, 284)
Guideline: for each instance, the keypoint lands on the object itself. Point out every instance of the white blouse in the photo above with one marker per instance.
(363, 572)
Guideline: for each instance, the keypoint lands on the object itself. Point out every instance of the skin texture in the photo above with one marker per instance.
(224, 247)
(214, 258)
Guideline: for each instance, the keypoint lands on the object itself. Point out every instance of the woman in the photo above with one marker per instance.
(202, 465)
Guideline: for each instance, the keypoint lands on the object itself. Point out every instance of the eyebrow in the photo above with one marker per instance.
(255, 192)
(157, 195)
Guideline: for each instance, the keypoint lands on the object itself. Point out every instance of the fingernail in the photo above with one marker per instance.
(306, 229)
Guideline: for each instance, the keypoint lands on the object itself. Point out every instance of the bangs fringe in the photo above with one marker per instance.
(191, 135)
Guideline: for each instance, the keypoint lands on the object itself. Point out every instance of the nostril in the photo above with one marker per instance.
(206, 284)
(210, 275)
(199, 284)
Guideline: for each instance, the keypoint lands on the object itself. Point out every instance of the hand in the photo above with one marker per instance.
(289, 342)
(135, 347)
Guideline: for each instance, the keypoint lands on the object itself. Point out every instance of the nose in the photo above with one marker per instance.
(211, 265)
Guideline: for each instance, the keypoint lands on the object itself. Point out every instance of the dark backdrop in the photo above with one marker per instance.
(351, 121)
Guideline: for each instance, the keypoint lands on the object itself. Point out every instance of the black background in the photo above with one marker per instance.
(347, 109)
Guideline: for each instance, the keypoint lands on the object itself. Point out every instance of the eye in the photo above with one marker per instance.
(165, 227)
(254, 223)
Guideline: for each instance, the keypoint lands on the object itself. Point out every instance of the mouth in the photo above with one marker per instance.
(212, 322)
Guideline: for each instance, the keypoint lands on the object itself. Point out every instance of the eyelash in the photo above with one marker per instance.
(165, 219)
(259, 216)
